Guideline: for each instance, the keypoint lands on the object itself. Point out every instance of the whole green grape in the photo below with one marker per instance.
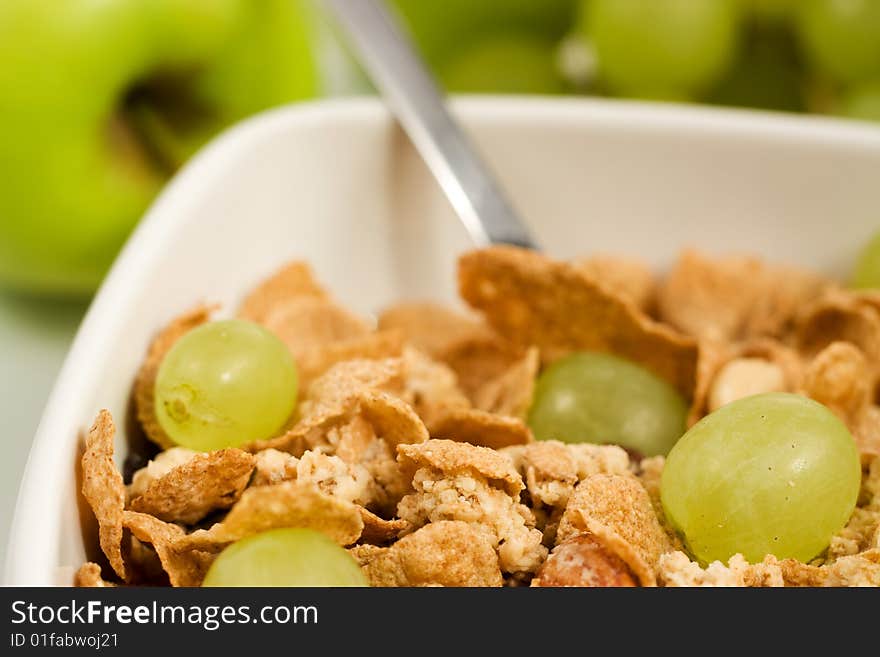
(285, 557)
(862, 102)
(867, 271)
(775, 473)
(224, 384)
(663, 48)
(842, 37)
(600, 398)
(504, 64)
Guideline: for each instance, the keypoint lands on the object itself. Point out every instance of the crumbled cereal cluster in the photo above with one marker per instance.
(409, 445)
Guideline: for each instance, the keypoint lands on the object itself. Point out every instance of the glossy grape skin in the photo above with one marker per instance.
(775, 473)
(842, 38)
(285, 557)
(600, 398)
(664, 48)
(224, 384)
(866, 275)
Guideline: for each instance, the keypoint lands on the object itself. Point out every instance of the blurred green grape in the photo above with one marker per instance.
(770, 10)
(442, 28)
(505, 64)
(842, 37)
(866, 274)
(768, 74)
(862, 102)
(664, 48)
(285, 557)
(601, 398)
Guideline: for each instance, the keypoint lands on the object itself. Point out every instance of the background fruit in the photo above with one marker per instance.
(101, 101)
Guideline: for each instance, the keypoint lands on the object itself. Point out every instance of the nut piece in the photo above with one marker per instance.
(583, 561)
(743, 377)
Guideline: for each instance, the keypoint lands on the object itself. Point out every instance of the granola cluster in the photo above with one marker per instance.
(409, 445)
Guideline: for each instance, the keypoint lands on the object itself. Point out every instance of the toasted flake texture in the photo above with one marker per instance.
(308, 323)
(839, 316)
(272, 466)
(469, 497)
(618, 511)
(293, 281)
(431, 387)
(163, 463)
(205, 483)
(867, 435)
(733, 298)
(445, 553)
(584, 562)
(510, 393)
(857, 570)
(379, 531)
(430, 327)
(676, 570)
(347, 481)
(103, 488)
(349, 378)
(145, 383)
(452, 457)
(288, 504)
(536, 301)
(625, 277)
(89, 576)
(839, 378)
(482, 429)
(551, 468)
(861, 531)
(371, 346)
(392, 419)
(478, 359)
(185, 567)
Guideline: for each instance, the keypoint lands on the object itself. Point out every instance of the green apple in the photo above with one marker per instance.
(101, 101)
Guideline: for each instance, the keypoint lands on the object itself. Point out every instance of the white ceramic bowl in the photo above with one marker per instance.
(336, 183)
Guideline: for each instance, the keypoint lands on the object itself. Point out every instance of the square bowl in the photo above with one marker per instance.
(337, 183)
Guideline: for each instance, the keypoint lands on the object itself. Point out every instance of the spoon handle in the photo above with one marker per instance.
(390, 60)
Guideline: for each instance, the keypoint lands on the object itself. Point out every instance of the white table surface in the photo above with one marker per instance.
(34, 338)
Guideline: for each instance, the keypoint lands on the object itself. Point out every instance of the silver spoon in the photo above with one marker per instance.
(390, 59)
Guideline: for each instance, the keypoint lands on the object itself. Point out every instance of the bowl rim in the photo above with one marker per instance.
(34, 537)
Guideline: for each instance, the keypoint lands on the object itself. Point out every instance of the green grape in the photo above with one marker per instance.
(863, 102)
(504, 64)
(664, 48)
(766, 75)
(770, 10)
(775, 473)
(223, 384)
(285, 557)
(442, 28)
(600, 398)
(867, 272)
(842, 37)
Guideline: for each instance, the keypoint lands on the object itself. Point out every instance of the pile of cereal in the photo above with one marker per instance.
(418, 453)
